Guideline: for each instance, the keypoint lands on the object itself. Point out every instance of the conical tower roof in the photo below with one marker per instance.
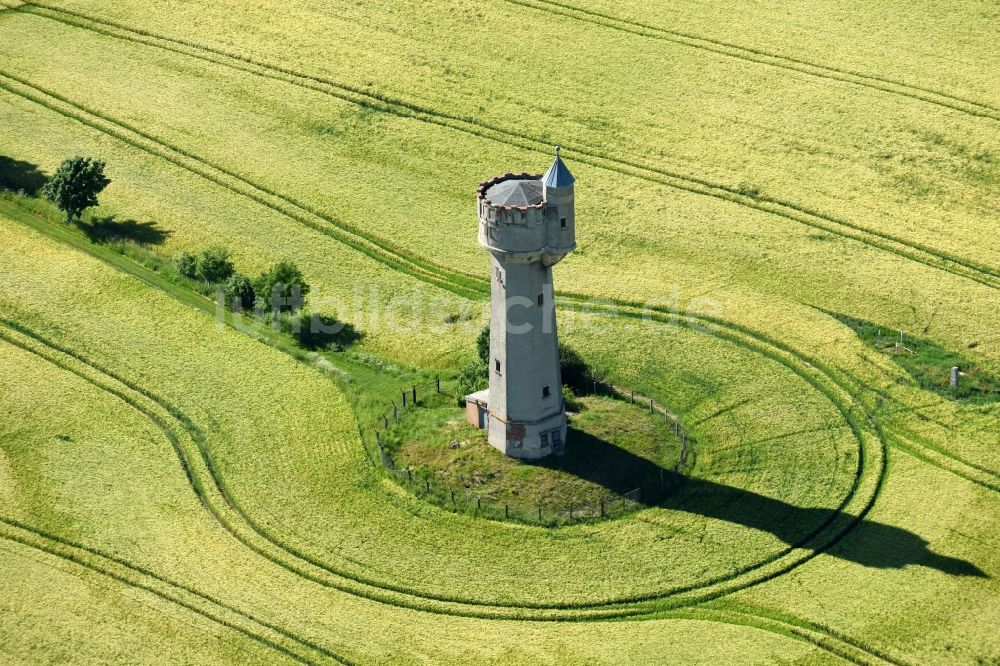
(558, 174)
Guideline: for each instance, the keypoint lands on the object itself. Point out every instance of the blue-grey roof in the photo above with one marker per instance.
(516, 192)
(558, 175)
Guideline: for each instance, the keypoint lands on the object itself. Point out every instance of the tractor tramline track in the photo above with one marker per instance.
(582, 153)
(123, 390)
(871, 82)
(614, 607)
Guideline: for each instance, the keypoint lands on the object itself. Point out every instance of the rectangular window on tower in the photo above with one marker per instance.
(541, 299)
(546, 391)
(497, 365)
(562, 222)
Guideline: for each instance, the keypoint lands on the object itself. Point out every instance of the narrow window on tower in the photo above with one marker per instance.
(497, 365)
(541, 299)
(562, 222)
(546, 391)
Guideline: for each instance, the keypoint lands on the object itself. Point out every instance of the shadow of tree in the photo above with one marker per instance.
(314, 331)
(19, 176)
(321, 331)
(108, 229)
(870, 543)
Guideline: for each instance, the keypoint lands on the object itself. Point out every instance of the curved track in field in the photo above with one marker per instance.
(830, 640)
(212, 491)
(583, 153)
(135, 397)
(316, 570)
(209, 486)
(869, 81)
(125, 572)
(945, 460)
(135, 577)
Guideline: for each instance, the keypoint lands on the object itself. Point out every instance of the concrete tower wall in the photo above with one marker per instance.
(559, 208)
(525, 384)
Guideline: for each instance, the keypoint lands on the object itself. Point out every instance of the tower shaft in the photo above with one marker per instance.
(527, 223)
(527, 414)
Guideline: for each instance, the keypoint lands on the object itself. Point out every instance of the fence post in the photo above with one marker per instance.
(404, 397)
(452, 495)
(595, 388)
(409, 475)
(414, 394)
(479, 503)
(650, 405)
(427, 484)
(506, 510)
(437, 383)
(539, 513)
(571, 512)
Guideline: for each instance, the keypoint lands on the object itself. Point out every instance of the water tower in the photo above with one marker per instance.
(527, 224)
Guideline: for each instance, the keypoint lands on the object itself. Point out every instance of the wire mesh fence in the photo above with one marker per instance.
(611, 390)
(466, 499)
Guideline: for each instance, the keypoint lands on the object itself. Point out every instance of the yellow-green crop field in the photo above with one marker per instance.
(176, 488)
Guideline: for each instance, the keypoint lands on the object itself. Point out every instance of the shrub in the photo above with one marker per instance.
(281, 288)
(239, 292)
(75, 185)
(186, 264)
(573, 403)
(313, 330)
(474, 376)
(576, 373)
(214, 265)
(483, 345)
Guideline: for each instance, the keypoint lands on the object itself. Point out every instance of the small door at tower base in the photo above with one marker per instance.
(477, 411)
(558, 445)
(554, 439)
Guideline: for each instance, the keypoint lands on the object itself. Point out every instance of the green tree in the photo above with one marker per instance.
(239, 292)
(575, 372)
(214, 265)
(75, 185)
(483, 345)
(281, 288)
(474, 376)
(186, 264)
